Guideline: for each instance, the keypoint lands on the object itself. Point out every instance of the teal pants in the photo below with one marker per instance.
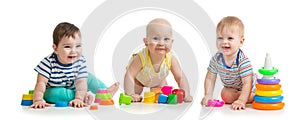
(53, 95)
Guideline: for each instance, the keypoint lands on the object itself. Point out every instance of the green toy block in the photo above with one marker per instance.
(30, 91)
(125, 99)
(172, 99)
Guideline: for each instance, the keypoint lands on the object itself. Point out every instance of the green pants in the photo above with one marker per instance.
(53, 95)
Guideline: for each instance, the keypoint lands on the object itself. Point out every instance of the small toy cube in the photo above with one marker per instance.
(180, 94)
(166, 90)
(172, 99)
(149, 97)
(93, 107)
(125, 99)
(162, 98)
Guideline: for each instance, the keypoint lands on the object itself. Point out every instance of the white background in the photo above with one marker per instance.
(26, 28)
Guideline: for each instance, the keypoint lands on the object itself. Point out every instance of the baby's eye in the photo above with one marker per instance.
(219, 38)
(67, 46)
(78, 46)
(230, 38)
(155, 38)
(167, 39)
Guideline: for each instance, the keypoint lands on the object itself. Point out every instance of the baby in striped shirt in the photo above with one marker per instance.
(233, 67)
(62, 75)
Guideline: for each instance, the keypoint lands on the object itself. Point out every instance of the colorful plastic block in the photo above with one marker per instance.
(103, 96)
(94, 107)
(102, 91)
(27, 97)
(106, 102)
(149, 97)
(215, 103)
(30, 91)
(180, 94)
(155, 90)
(156, 97)
(172, 99)
(26, 102)
(166, 90)
(162, 98)
(62, 104)
(125, 99)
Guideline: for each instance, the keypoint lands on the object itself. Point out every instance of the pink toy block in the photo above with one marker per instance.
(166, 90)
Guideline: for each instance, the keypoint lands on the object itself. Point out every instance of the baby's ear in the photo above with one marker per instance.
(54, 48)
(145, 41)
(242, 40)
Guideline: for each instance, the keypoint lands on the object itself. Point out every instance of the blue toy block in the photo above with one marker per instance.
(162, 98)
(61, 104)
(26, 102)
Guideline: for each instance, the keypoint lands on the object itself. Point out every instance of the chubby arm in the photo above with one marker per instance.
(181, 79)
(133, 68)
(38, 94)
(245, 93)
(209, 85)
(81, 90)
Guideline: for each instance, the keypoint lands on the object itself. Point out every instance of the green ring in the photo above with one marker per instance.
(268, 72)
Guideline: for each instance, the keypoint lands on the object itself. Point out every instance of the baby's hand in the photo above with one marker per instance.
(239, 105)
(188, 98)
(39, 104)
(205, 99)
(77, 103)
(136, 98)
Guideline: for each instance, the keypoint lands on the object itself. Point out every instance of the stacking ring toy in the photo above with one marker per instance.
(268, 72)
(263, 106)
(268, 87)
(263, 99)
(268, 81)
(268, 93)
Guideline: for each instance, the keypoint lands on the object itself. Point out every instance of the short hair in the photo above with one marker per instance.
(64, 29)
(158, 21)
(229, 22)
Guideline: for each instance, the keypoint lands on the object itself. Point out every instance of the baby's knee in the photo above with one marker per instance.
(227, 97)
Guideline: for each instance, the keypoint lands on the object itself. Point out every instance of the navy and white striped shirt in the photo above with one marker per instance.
(62, 75)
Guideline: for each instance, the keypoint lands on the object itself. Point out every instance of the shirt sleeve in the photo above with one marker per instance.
(245, 68)
(44, 67)
(212, 66)
(82, 72)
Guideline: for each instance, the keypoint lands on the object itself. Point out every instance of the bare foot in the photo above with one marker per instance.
(88, 98)
(113, 88)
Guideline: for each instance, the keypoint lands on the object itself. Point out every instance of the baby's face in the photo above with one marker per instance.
(229, 41)
(69, 49)
(159, 39)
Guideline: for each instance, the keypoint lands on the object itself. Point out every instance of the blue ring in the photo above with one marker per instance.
(26, 102)
(268, 81)
(263, 99)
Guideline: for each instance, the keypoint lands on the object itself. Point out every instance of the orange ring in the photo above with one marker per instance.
(268, 87)
(268, 106)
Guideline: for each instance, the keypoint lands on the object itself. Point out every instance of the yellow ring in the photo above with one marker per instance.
(268, 93)
(268, 87)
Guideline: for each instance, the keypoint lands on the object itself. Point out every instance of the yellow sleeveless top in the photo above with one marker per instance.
(147, 75)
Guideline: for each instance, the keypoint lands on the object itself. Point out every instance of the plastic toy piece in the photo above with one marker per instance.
(61, 104)
(30, 91)
(268, 87)
(97, 100)
(215, 103)
(106, 102)
(180, 94)
(268, 68)
(27, 97)
(263, 99)
(94, 107)
(156, 97)
(102, 91)
(162, 98)
(166, 90)
(155, 90)
(149, 97)
(103, 96)
(268, 93)
(26, 102)
(264, 106)
(125, 99)
(172, 99)
(268, 81)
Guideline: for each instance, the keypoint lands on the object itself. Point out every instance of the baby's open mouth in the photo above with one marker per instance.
(71, 57)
